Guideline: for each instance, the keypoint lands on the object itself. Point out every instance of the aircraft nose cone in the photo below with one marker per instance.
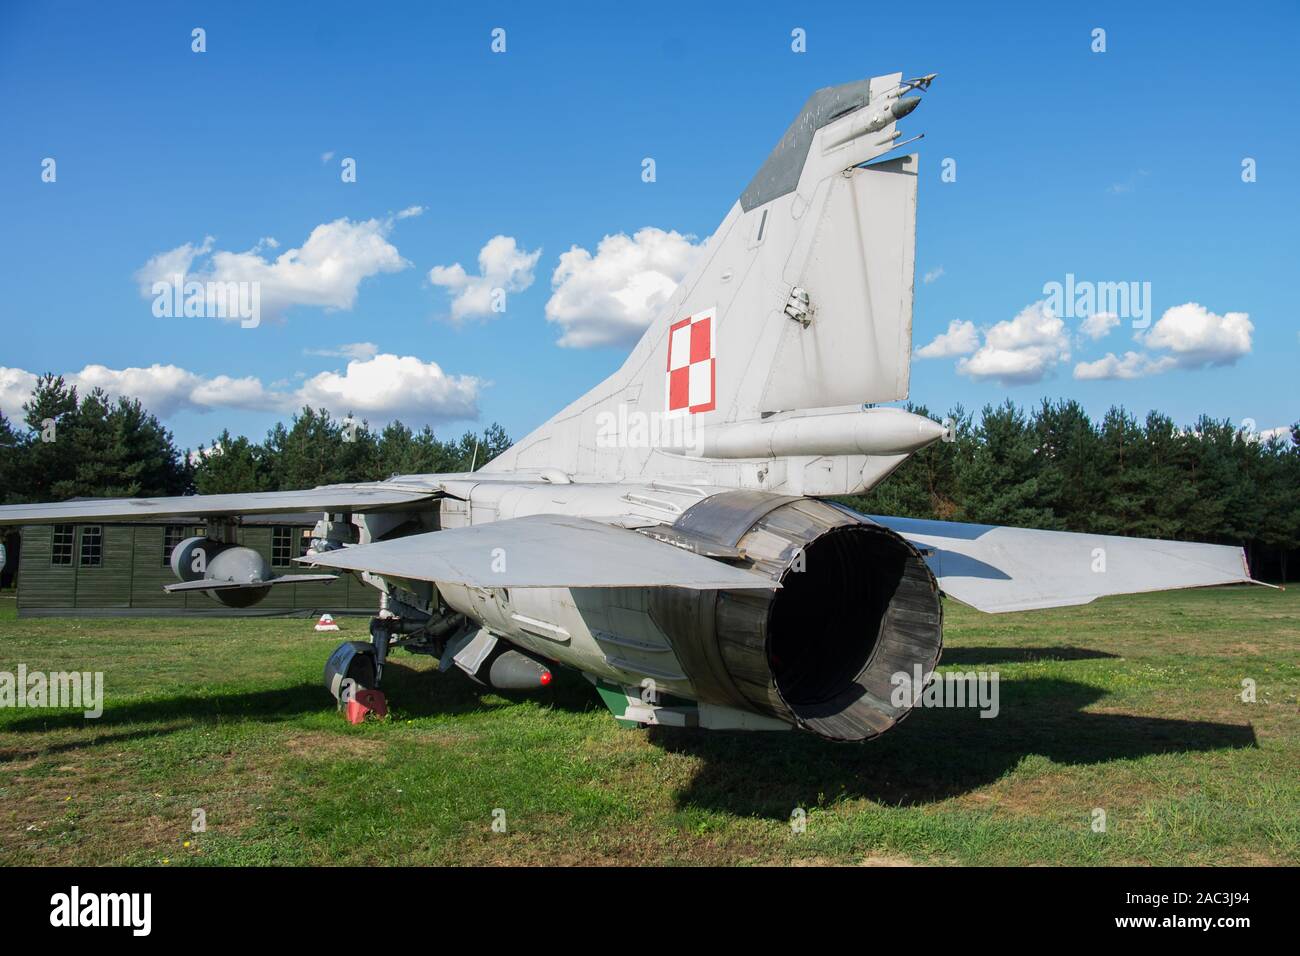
(904, 106)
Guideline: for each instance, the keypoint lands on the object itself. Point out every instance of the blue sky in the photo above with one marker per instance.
(1115, 166)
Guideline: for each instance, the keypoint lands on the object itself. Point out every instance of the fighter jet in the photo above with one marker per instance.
(669, 533)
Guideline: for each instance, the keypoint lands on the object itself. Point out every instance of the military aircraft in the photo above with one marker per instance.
(668, 534)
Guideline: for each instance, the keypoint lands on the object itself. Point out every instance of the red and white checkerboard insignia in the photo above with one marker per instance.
(692, 364)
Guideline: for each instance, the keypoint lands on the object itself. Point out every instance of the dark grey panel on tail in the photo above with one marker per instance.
(779, 173)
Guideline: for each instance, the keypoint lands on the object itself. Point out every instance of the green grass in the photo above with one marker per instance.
(1130, 705)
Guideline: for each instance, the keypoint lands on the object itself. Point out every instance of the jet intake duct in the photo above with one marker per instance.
(856, 607)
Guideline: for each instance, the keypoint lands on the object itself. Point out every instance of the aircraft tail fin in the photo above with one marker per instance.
(801, 299)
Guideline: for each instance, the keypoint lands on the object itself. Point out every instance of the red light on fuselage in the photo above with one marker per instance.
(546, 678)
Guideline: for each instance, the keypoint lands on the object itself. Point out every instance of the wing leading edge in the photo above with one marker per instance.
(540, 551)
(374, 497)
(998, 569)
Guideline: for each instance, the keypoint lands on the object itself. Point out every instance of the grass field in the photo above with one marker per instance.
(1131, 705)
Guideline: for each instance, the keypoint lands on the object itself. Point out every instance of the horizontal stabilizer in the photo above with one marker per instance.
(999, 569)
(371, 497)
(540, 551)
(208, 584)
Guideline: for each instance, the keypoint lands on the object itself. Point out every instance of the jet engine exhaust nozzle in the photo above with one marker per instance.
(857, 607)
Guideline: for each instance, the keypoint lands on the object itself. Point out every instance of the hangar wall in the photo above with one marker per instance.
(129, 577)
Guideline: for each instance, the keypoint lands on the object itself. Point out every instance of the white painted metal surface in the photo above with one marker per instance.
(999, 569)
(359, 497)
(539, 551)
(871, 431)
(842, 233)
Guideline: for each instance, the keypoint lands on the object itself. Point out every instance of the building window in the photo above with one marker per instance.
(173, 535)
(61, 551)
(281, 546)
(304, 540)
(92, 546)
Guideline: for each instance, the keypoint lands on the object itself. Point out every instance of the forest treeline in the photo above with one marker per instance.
(1050, 467)
(71, 446)
(1054, 467)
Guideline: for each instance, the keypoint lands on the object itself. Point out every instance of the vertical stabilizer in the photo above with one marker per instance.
(801, 301)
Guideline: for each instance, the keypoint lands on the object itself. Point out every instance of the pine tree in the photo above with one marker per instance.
(1123, 465)
(1278, 515)
(357, 458)
(142, 458)
(12, 479)
(1219, 484)
(307, 453)
(403, 452)
(474, 450)
(88, 435)
(229, 465)
(1167, 496)
(1070, 479)
(1000, 484)
(50, 457)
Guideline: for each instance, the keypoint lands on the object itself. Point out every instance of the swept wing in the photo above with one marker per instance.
(997, 569)
(540, 551)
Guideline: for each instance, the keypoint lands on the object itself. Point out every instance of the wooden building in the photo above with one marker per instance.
(107, 569)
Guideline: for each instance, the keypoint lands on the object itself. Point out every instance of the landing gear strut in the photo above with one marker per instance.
(355, 669)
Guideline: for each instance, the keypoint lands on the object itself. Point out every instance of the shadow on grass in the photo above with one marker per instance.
(429, 693)
(1018, 655)
(412, 693)
(933, 755)
(16, 754)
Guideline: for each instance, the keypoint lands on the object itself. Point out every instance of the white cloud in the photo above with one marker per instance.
(203, 452)
(166, 265)
(391, 386)
(933, 274)
(325, 271)
(352, 350)
(1282, 431)
(16, 386)
(962, 338)
(1022, 350)
(1196, 337)
(379, 387)
(162, 389)
(326, 157)
(166, 389)
(1186, 336)
(1132, 365)
(224, 391)
(610, 298)
(502, 265)
(1098, 325)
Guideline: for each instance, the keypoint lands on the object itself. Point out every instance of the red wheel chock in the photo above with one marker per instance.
(363, 704)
